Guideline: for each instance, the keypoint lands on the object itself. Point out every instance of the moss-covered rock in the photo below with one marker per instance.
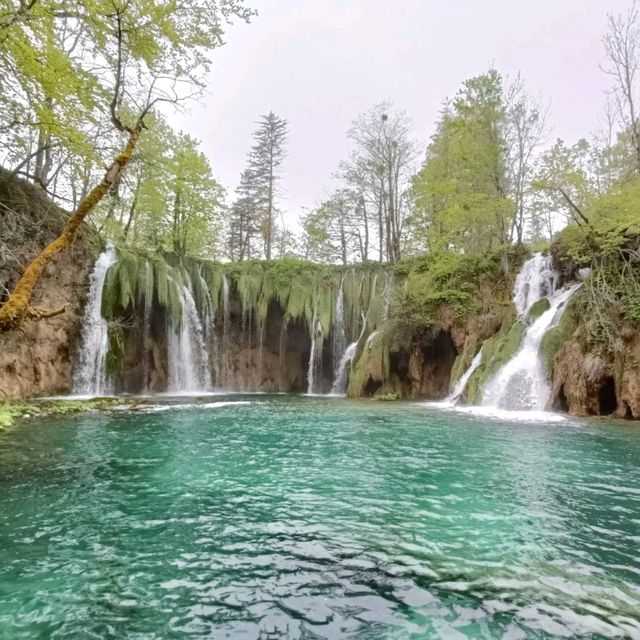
(556, 337)
(388, 397)
(496, 352)
(11, 412)
(538, 308)
(116, 353)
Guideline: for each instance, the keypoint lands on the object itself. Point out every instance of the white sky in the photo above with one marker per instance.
(318, 63)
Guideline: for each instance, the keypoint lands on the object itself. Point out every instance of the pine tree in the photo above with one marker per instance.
(265, 160)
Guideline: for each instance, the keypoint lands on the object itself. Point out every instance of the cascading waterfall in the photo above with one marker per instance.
(461, 385)
(339, 386)
(188, 357)
(146, 324)
(210, 337)
(341, 377)
(91, 376)
(339, 330)
(387, 294)
(536, 280)
(226, 327)
(315, 356)
(521, 383)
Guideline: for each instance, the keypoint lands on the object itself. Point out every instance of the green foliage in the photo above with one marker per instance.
(460, 192)
(448, 279)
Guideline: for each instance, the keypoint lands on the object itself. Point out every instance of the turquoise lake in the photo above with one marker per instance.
(300, 517)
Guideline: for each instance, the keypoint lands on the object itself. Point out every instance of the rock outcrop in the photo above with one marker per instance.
(39, 359)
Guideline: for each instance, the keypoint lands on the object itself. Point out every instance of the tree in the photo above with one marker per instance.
(622, 48)
(254, 211)
(524, 134)
(461, 192)
(379, 171)
(332, 231)
(127, 57)
(563, 178)
(265, 160)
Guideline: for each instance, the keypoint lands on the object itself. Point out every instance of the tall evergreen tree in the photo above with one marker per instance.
(254, 210)
(265, 160)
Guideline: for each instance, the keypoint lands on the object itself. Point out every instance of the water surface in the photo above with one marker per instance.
(280, 517)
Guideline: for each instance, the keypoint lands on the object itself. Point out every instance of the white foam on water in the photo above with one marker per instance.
(494, 413)
(158, 408)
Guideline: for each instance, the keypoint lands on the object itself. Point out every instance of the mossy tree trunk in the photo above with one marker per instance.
(17, 308)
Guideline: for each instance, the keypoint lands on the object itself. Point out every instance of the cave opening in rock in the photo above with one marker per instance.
(607, 399)
(371, 387)
(561, 403)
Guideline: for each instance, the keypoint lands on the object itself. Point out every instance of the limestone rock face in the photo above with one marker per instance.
(587, 383)
(39, 359)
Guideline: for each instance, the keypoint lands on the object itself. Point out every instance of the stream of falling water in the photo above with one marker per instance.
(315, 356)
(521, 384)
(226, 326)
(188, 358)
(91, 376)
(339, 330)
(146, 325)
(461, 385)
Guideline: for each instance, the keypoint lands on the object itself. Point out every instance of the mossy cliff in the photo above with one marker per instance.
(417, 324)
(593, 355)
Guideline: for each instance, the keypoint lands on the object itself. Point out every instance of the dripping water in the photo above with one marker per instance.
(188, 357)
(461, 385)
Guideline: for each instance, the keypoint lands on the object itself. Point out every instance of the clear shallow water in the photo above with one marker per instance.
(318, 518)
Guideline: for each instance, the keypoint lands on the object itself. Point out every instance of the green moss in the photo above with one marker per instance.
(553, 340)
(538, 308)
(463, 360)
(371, 363)
(388, 397)
(496, 352)
(12, 411)
(115, 354)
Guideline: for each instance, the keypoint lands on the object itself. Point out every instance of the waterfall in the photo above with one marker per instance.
(521, 383)
(187, 352)
(91, 375)
(339, 386)
(146, 324)
(282, 354)
(387, 295)
(315, 356)
(461, 385)
(210, 337)
(260, 355)
(226, 326)
(536, 280)
(340, 379)
(339, 331)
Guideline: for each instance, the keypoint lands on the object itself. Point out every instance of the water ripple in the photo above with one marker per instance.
(316, 518)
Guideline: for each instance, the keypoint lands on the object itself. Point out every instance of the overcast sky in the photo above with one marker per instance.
(318, 63)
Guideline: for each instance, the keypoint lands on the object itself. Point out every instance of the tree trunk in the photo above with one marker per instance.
(17, 307)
